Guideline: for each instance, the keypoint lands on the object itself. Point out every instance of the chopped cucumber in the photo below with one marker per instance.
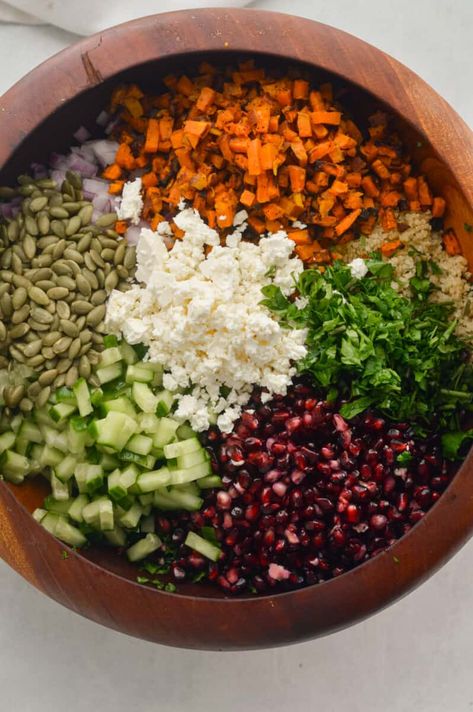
(39, 514)
(139, 373)
(77, 440)
(131, 518)
(140, 444)
(165, 433)
(145, 461)
(30, 432)
(144, 397)
(192, 458)
(128, 353)
(77, 507)
(184, 432)
(89, 478)
(150, 481)
(7, 440)
(183, 447)
(116, 536)
(185, 500)
(116, 491)
(61, 411)
(202, 546)
(129, 476)
(82, 395)
(114, 430)
(56, 505)
(50, 456)
(65, 469)
(109, 373)
(59, 489)
(69, 534)
(144, 547)
(120, 405)
(65, 395)
(209, 481)
(148, 422)
(165, 401)
(110, 355)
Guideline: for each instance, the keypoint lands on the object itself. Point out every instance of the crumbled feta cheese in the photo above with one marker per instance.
(202, 319)
(358, 268)
(299, 225)
(240, 218)
(131, 203)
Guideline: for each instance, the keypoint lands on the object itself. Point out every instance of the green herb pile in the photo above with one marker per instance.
(374, 348)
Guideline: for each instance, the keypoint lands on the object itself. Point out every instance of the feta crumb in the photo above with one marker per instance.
(131, 204)
(358, 268)
(201, 317)
(240, 218)
(299, 225)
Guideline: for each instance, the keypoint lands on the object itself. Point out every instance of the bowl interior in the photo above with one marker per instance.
(55, 135)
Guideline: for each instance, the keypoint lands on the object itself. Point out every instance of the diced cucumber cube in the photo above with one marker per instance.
(69, 534)
(30, 431)
(116, 536)
(192, 458)
(89, 478)
(120, 405)
(56, 505)
(209, 481)
(116, 491)
(146, 499)
(65, 395)
(139, 373)
(51, 456)
(55, 438)
(109, 373)
(148, 422)
(165, 432)
(131, 518)
(202, 546)
(144, 397)
(65, 469)
(108, 462)
(110, 355)
(77, 440)
(147, 462)
(114, 430)
(190, 474)
(82, 394)
(184, 432)
(165, 400)
(50, 522)
(129, 476)
(60, 489)
(106, 520)
(144, 547)
(141, 444)
(39, 514)
(109, 341)
(7, 440)
(183, 447)
(129, 354)
(77, 507)
(163, 501)
(185, 500)
(150, 481)
(61, 411)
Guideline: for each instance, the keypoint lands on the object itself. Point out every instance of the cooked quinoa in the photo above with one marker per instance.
(420, 242)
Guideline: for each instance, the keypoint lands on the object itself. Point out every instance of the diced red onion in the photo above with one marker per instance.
(132, 234)
(82, 134)
(101, 202)
(104, 151)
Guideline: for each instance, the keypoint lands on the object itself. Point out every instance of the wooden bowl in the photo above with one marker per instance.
(39, 114)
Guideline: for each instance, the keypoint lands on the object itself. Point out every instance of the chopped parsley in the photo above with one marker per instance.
(64, 554)
(142, 579)
(375, 348)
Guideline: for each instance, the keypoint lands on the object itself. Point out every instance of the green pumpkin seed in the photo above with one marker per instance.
(83, 285)
(26, 405)
(71, 254)
(31, 225)
(6, 276)
(85, 349)
(84, 367)
(4, 288)
(81, 307)
(106, 220)
(96, 245)
(62, 344)
(84, 242)
(91, 278)
(5, 260)
(63, 310)
(72, 207)
(74, 267)
(109, 243)
(122, 272)
(58, 293)
(55, 201)
(95, 256)
(69, 328)
(16, 264)
(13, 231)
(47, 377)
(96, 315)
(20, 281)
(98, 297)
(41, 315)
(100, 276)
(16, 354)
(43, 224)
(113, 234)
(38, 204)
(19, 297)
(45, 284)
(20, 315)
(29, 247)
(48, 353)
(74, 179)
(89, 263)
(80, 321)
(74, 348)
(38, 296)
(120, 253)
(63, 365)
(71, 376)
(51, 338)
(43, 397)
(33, 389)
(97, 339)
(73, 225)
(58, 249)
(3, 362)
(41, 274)
(111, 281)
(42, 261)
(37, 325)
(18, 331)
(58, 227)
(85, 336)
(7, 306)
(33, 348)
(107, 254)
(13, 395)
(59, 212)
(85, 214)
(61, 268)
(19, 252)
(3, 332)
(46, 241)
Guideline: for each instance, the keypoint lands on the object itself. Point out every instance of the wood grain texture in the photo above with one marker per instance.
(40, 114)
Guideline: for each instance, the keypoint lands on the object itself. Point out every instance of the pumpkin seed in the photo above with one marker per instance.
(96, 315)
(89, 263)
(74, 267)
(107, 254)
(85, 214)
(43, 396)
(50, 338)
(96, 245)
(69, 328)
(106, 220)
(100, 276)
(38, 296)
(7, 192)
(80, 321)
(4, 288)
(13, 395)
(84, 242)
(91, 278)
(26, 405)
(7, 306)
(16, 354)
(18, 331)
(45, 284)
(97, 339)
(13, 231)
(43, 224)
(19, 315)
(41, 274)
(19, 297)
(6, 276)
(63, 310)
(74, 348)
(62, 344)
(72, 207)
(84, 367)
(38, 204)
(29, 247)
(42, 261)
(31, 225)
(108, 242)
(55, 200)
(19, 252)
(111, 281)
(71, 376)
(20, 281)
(58, 249)
(5, 260)
(3, 362)
(58, 293)
(41, 315)
(98, 297)
(63, 365)
(37, 325)
(73, 225)
(3, 333)
(85, 336)
(47, 377)
(60, 381)
(71, 254)
(61, 268)
(122, 272)
(83, 285)
(81, 307)
(58, 227)
(16, 264)
(85, 348)
(96, 258)
(33, 348)
(48, 354)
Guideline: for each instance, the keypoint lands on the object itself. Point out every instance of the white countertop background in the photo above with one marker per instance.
(414, 657)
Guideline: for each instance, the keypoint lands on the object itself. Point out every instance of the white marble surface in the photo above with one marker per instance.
(414, 656)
